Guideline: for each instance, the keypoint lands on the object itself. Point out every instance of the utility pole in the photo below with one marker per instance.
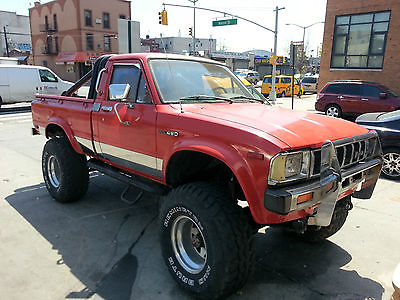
(5, 37)
(272, 94)
(194, 26)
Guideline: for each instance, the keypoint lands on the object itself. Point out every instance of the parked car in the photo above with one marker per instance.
(251, 76)
(256, 94)
(388, 127)
(355, 97)
(283, 85)
(21, 83)
(310, 84)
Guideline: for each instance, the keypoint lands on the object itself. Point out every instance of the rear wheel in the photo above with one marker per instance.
(65, 172)
(206, 240)
(333, 110)
(391, 163)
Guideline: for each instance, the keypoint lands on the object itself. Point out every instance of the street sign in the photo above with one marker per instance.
(224, 22)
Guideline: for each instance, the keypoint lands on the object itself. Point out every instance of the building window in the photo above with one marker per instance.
(107, 43)
(106, 20)
(89, 41)
(55, 25)
(46, 22)
(88, 17)
(122, 17)
(360, 40)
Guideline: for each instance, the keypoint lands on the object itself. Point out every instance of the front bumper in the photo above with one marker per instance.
(323, 192)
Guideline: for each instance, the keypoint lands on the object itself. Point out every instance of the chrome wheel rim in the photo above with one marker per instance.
(188, 244)
(391, 164)
(53, 171)
(332, 111)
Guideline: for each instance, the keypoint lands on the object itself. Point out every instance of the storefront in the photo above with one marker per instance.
(77, 63)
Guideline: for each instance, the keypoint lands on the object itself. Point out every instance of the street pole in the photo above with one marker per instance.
(272, 94)
(5, 37)
(194, 26)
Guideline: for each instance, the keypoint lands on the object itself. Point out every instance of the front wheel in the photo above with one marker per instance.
(206, 240)
(320, 233)
(65, 172)
(333, 110)
(391, 163)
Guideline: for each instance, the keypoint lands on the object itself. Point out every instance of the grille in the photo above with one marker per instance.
(349, 153)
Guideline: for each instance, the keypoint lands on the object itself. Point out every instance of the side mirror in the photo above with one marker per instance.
(119, 91)
(382, 95)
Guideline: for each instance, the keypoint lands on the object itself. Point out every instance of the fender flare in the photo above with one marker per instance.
(68, 132)
(232, 158)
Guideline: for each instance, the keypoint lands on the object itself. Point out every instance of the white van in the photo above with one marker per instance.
(21, 83)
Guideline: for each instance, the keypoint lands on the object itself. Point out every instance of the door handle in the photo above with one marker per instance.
(127, 123)
(364, 99)
(340, 97)
(106, 108)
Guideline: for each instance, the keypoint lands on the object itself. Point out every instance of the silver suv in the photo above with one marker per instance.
(310, 84)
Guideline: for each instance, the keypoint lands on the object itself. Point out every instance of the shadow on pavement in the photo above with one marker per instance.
(289, 268)
(96, 237)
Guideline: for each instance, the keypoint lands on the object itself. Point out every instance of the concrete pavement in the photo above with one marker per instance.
(102, 248)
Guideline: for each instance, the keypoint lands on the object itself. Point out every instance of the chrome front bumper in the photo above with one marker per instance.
(333, 184)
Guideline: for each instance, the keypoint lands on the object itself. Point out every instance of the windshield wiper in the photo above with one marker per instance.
(248, 98)
(206, 97)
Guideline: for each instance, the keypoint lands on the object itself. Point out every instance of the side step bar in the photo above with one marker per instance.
(131, 179)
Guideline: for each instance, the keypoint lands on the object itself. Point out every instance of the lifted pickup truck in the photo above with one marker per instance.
(224, 162)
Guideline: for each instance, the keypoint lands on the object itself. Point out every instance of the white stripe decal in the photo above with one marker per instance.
(132, 156)
(85, 142)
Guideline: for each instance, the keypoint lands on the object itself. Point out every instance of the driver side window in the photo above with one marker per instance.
(132, 75)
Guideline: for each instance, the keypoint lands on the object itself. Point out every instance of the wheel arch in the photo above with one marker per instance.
(59, 128)
(223, 159)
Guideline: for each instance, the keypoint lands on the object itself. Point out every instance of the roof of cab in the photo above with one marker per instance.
(159, 55)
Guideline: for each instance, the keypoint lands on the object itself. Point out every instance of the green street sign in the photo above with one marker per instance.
(224, 22)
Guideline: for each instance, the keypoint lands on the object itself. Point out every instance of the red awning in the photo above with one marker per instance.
(77, 56)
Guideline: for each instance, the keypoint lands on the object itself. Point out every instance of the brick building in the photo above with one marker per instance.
(67, 35)
(362, 41)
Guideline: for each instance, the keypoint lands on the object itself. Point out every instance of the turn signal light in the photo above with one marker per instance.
(304, 198)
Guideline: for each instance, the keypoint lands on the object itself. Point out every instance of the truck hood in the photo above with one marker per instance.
(295, 128)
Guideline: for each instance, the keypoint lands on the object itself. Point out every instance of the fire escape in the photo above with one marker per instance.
(51, 39)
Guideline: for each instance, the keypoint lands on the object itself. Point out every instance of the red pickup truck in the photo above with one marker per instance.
(224, 162)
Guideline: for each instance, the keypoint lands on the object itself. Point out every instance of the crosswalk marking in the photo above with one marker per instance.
(17, 118)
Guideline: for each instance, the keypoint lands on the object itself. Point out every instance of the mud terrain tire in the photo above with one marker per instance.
(206, 240)
(319, 233)
(65, 172)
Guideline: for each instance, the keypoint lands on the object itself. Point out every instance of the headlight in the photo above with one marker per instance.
(290, 166)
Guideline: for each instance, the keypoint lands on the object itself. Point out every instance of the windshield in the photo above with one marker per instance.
(256, 94)
(181, 80)
(387, 90)
(309, 80)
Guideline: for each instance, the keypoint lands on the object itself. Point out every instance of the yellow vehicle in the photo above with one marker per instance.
(283, 86)
(256, 94)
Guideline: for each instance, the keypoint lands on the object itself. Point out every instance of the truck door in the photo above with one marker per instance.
(124, 130)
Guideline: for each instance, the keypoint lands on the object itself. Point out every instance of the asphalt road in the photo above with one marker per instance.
(103, 248)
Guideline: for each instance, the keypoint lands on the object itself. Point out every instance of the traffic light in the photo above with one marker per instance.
(162, 17)
(190, 31)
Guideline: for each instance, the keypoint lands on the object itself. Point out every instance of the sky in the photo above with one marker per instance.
(241, 37)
